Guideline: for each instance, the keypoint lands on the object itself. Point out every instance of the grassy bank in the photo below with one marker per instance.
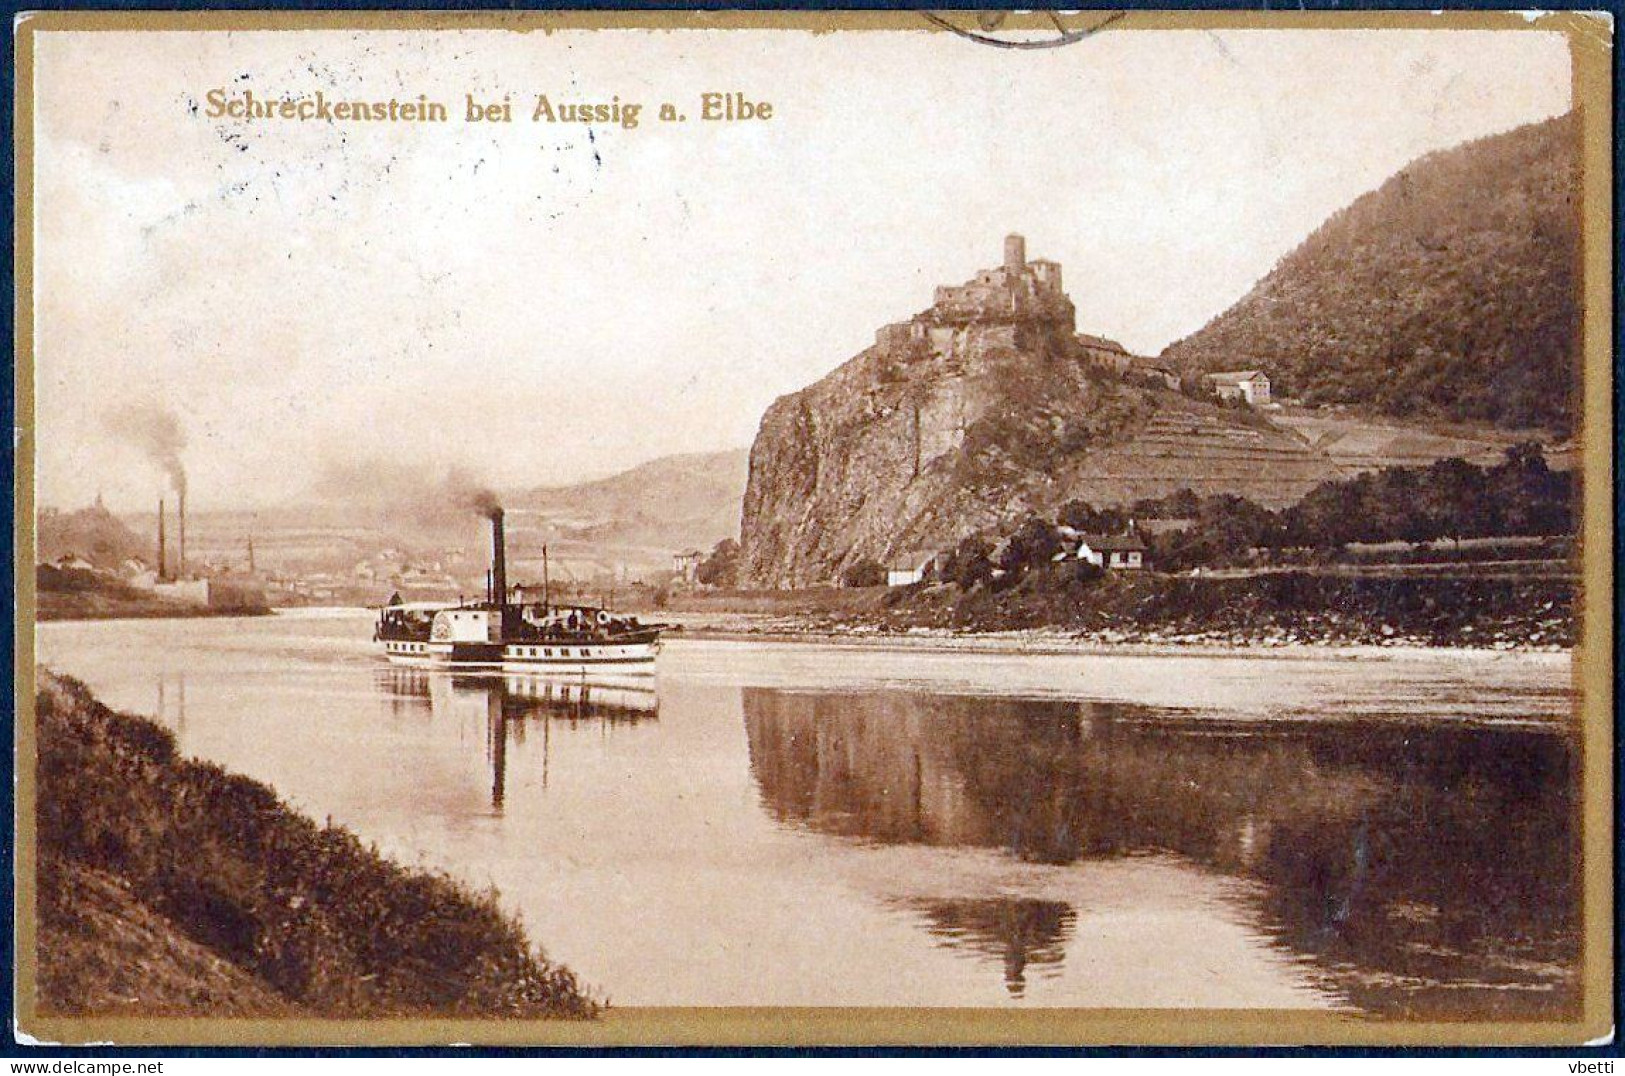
(169, 886)
(83, 595)
(1281, 608)
(57, 605)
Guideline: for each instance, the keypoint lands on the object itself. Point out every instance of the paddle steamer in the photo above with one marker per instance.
(499, 634)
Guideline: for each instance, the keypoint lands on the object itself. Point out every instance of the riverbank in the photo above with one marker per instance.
(168, 886)
(55, 605)
(1148, 611)
(80, 595)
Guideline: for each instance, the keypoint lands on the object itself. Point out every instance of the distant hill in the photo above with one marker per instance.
(1451, 291)
(632, 521)
(672, 503)
(93, 533)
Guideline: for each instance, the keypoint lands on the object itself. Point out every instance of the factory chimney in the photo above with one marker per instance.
(499, 561)
(180, 558)
(162, 573)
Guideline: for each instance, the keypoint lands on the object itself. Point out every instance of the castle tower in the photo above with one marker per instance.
(1015, 253)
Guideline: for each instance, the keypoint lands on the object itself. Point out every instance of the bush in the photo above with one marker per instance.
(969, 564)
(1034, 543)
(721, 568)
(867, 572)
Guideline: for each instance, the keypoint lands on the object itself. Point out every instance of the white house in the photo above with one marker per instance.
(686, 565)
(1249, 385)
(908, 568)
(1112, 551)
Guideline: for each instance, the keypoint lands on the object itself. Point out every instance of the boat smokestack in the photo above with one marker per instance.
(499, 559)
(161, 566)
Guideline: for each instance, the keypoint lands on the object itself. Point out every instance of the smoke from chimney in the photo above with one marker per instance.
(470, 494)
(156, 431)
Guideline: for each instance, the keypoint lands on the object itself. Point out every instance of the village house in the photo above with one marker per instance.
(1166, 375)
(1105, 354)
(1249, 385)
(910, 567)
(1112, 551)
(137, 573)
(686, 566)
(1112, 357)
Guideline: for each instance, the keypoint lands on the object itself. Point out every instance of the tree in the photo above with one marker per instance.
(1328, 516)
(1033, 544)
(867, 572)
(1454, 502)
(1235, 523)
(1082, 516)
(721, 568)
(1536, 499)
(1181, 504)
(968, 564)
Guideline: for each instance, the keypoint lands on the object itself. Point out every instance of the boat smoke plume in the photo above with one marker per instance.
(472, 494)
(397, 490)
(154, 429)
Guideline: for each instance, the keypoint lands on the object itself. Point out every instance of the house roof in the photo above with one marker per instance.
(1101, 343)
(1235, 377)
(1108, 543)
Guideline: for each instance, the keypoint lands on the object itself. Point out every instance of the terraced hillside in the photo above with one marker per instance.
(1357, 443)
(1207, 454)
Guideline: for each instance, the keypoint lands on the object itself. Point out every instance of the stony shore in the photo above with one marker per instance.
(1156, 614)
(1058, 641)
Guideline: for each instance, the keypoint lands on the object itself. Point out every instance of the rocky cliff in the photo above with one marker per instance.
(980, 409)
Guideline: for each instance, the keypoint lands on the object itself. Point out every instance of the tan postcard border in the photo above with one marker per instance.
(1590, 40)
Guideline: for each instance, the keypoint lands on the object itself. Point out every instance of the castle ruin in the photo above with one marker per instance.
(1017, 291)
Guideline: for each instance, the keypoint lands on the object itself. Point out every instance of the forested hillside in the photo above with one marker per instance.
(1452, 291)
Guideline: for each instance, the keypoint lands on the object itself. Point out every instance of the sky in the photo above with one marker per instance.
(541, 303)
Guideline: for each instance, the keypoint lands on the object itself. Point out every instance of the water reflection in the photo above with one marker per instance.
(511, 708)
(171, 707)
(1423, 871)
(1020, 933)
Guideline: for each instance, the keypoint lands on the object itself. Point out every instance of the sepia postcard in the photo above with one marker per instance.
(807, 528)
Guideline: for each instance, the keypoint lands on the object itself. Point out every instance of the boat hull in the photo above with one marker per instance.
(582, 657)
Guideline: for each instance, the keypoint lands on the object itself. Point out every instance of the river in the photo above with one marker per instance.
(771, 823)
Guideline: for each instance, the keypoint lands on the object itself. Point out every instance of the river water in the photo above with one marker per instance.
(797, 824)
